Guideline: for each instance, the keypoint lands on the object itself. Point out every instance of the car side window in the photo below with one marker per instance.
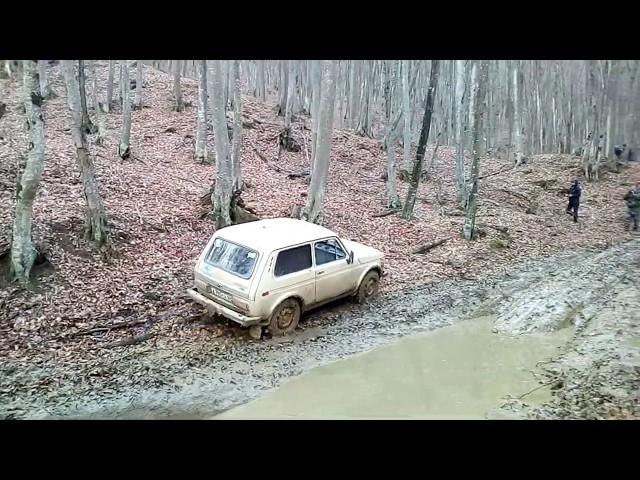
(293, 260)
(328, 251)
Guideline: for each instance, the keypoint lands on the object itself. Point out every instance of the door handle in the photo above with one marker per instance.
(320, 273)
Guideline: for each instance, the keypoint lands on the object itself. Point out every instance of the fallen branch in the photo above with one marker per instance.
(458, 213)
(131, 340)
(388, 212)
(495, 173)
(520, 397)
(515, 194)
(103, 328)
(426, 248)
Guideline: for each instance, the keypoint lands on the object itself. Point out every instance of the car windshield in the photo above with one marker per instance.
(232, 258)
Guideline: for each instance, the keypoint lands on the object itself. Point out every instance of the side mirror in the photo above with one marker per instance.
(350, 259)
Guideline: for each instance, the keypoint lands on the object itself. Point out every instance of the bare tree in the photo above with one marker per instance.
(87, 124)
(236, 147)
(283, 87)
(112, 68)
(223, 187)
(393, 200)
(517, 118)
(124, 149)
(260, 89)
(96, 228)
(460, 130)
(201, 132)
(316, 76)
(363, 127)
(45, 86)
(313, 209)
(177, 90)
(137, 101)
(291, 82)
(406, 115)
(480, 87)
(97, 106)
(23, 252)
(409, 203)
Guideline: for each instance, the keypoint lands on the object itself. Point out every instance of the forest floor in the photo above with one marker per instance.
(54, 338)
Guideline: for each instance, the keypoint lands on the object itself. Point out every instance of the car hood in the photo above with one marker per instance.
(362, 253)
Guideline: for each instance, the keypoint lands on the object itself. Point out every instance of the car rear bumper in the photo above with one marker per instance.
(214, 307)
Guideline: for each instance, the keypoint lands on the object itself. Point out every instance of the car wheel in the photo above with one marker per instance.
(368, 287)
(285, 318)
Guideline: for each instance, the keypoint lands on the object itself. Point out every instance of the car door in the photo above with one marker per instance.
(293, 274)
(333, 273)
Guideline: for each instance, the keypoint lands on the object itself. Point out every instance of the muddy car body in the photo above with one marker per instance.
(270, 271)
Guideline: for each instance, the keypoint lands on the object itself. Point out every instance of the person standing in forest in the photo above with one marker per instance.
(574, 200)
(633, 205)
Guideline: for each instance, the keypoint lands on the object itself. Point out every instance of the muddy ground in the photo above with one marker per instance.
(595, 293)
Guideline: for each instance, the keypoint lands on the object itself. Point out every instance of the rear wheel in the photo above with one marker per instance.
(285, 318)
(368, 287)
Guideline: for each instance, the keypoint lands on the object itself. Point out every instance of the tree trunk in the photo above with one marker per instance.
(291, 82)
(236, 147)
(201, 129)
(112, 68)
(363, 128)
(87, 125)
(460, 134)
(422, 142)
(261, 90)
(97, 108)
(406, 114)
(177, 88)
(45, 86)
(124, 149)
(96, 228)
(283, 88)
(23, 252)
(316, 76)
(480, 87)
(224, 182)
(517, 119)
(137, 100)
(313, 209)
(393, 200)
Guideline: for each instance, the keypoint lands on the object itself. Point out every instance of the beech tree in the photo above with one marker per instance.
(96, 228)
(23, 251)
(479, 86)
(409, 203)
(315, 200)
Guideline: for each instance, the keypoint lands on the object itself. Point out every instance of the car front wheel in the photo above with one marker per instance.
(368, 287)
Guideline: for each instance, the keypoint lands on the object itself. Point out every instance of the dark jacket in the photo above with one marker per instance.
(574, 192)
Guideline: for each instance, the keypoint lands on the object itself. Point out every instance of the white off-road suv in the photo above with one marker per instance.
(266, 273)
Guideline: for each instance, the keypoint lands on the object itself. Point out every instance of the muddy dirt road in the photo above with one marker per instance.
(592, 295)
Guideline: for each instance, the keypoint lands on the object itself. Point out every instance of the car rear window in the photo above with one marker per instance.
(293, 260)
(232, 258)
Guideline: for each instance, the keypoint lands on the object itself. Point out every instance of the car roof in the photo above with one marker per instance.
(274, 233)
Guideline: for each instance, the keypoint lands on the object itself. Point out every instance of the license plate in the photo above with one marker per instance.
(220, 293)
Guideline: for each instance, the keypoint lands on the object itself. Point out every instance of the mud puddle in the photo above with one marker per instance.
(458, 372)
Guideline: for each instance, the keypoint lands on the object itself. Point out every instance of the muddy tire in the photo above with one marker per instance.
(285, 318)
(368, 287)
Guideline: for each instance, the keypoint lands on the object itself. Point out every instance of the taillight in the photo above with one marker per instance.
(244, 306)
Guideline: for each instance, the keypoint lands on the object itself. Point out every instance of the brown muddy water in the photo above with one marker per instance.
(458, 372)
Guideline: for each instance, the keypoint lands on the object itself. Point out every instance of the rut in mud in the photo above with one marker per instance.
(595, 296)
